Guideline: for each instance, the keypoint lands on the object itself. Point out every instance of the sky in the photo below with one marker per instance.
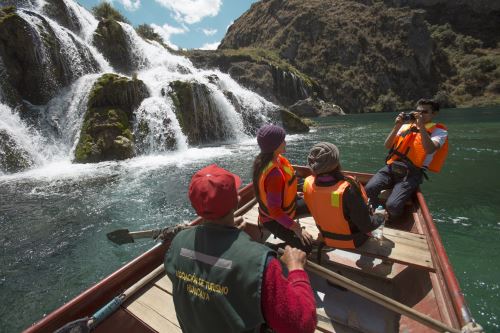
(187, 24)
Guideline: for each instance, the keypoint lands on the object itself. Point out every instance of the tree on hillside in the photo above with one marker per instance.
(147, 32)
(105, 11)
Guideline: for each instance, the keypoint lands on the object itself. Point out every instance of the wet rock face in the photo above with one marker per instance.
(35, 60)
(111, 41)
(251, 120)
(59, 12)
(23, 60)
(198, 115)
(107, 129)
(12, 157)
(292, 123)
(274, 83)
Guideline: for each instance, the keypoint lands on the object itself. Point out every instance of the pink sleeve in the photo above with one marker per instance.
(288, 304)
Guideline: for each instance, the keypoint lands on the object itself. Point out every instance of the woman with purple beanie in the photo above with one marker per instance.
(275, 186)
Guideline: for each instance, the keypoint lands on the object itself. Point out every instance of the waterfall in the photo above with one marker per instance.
(77, 57)
(156, 127)
(253, 108)
(65, 112)
(72, 65)
(26, 139)
(150, 54)
(86, 20)
(42, 54)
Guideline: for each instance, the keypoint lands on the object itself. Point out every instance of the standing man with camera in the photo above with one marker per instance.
(415, 144)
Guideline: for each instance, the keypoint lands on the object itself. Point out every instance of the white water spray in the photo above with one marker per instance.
(157, 123)
(25, 138)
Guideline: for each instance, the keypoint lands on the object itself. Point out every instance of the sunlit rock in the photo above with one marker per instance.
(107, 129)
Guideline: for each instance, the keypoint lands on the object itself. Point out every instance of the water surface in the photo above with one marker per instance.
(53, 220)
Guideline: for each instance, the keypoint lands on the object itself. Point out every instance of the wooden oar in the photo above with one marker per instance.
(378, 298)
(87, 324)
(124, 236)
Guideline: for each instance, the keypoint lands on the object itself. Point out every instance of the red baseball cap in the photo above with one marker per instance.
(213, 192)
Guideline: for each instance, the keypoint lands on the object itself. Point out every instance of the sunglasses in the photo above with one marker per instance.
(423, 111)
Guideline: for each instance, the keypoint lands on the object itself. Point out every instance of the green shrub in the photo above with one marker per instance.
(147, 32)
(104, 11)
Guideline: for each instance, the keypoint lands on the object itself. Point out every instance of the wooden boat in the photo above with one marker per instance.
(409, 266)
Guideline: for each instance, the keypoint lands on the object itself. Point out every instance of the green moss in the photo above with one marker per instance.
(7, 13)
(105, 11)
(84, 148)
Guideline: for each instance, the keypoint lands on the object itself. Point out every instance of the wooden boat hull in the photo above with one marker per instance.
(435, 293)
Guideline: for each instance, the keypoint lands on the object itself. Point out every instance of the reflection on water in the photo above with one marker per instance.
(53, 220)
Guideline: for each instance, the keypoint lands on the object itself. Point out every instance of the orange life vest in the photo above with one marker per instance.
(289, 190)
(326, 206)
(409, 145)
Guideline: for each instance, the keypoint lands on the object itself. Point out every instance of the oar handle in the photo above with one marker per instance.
(246, 207)
(376, 297)
(116, 302)
(153, 233)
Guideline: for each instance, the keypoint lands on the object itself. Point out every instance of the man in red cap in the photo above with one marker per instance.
(225, 282)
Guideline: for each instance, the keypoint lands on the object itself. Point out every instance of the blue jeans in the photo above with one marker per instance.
(403, 187)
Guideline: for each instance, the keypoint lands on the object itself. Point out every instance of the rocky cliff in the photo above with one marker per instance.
(371, 55)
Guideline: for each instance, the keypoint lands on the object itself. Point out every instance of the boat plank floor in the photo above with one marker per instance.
(155, 307)
(397, 246)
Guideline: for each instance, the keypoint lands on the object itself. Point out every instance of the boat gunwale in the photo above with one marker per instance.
(96, 296)
(455, 294)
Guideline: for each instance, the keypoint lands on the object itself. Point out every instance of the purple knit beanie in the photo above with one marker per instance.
(270, 137)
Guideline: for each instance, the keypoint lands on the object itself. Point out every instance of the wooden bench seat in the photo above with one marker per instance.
(398, 246)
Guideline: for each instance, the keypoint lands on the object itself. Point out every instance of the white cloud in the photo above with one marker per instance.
(191, 11)
(130, 5)
(230, 24)
(165, 31)
(209, 32)
(210, 46)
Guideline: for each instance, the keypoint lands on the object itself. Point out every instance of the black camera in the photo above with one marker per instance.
(408, 116)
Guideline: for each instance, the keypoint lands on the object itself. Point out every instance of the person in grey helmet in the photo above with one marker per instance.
(338, 203)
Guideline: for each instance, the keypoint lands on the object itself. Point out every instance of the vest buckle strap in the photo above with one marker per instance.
(338, 237)
(205, 258)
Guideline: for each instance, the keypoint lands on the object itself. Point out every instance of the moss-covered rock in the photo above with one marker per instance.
(198, 116)
(107, 128)
(12, 157)
(292, 123)
(112, 41)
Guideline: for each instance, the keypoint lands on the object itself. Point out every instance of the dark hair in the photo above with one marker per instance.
(260, 162)
(434, 105)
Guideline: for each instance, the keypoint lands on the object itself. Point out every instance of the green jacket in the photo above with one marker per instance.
(216, 274)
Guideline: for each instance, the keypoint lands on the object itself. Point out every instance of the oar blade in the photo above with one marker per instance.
(120, 236)
(77, 326)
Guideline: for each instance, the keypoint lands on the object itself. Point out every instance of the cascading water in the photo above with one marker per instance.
(76, 57)
(86, 20)
(157, 128)
(19, 138)
(65, 113)
(42, 52)
(232, 111)
(160, 68)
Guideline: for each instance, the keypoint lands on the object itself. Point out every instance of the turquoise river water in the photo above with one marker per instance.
(53, 220)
